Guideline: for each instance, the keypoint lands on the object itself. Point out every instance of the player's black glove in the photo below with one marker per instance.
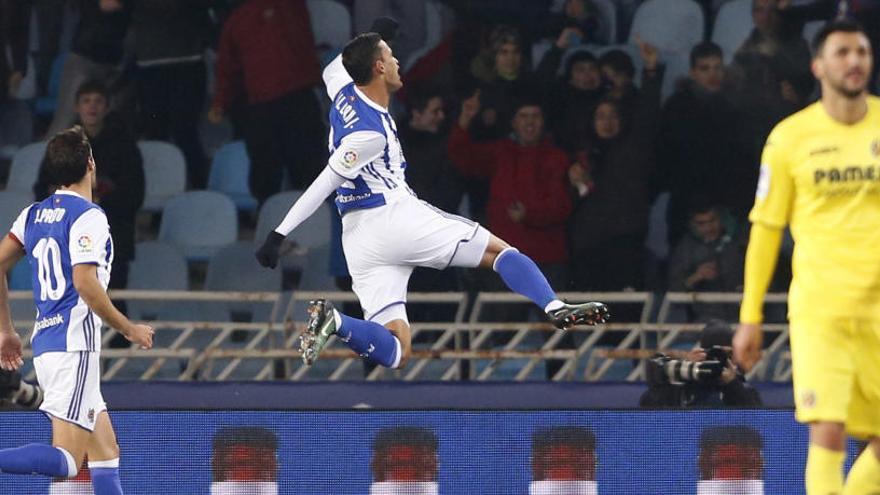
(267, 255)
(386, 27)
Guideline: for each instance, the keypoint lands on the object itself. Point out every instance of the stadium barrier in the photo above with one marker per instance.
(462, 346)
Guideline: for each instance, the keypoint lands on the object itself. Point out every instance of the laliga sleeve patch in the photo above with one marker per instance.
(349, 159)
(763, 182)
(84, 244)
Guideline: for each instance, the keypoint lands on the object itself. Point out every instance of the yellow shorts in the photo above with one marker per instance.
(836, 369)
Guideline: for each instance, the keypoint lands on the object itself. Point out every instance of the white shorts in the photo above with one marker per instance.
(382, 246)
(71, 383)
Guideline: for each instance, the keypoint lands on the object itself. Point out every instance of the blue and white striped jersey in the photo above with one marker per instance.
(364, 145)
(64, 230)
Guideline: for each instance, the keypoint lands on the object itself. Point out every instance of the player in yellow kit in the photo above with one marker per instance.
(820, 174)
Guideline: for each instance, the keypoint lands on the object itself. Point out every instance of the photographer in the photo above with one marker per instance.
(707, 377)
(16, 393)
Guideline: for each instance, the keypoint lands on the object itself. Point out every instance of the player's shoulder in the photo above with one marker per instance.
(790, 129)
(351, 112)
(874, 108)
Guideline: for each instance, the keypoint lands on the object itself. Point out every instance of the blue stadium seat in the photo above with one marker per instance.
(234, 268)
(45, 105)
(164, 173)
(331, 23)
(157, 266)
(21, 278)
(25, 168)
(810, 30)
(199, 223)
(732, 26)
(313, 233)
(670, 25)
(608, 11)
(230, 170)
(11, 204)
(316, 270)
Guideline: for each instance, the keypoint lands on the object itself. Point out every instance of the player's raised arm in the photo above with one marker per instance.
(355, 151)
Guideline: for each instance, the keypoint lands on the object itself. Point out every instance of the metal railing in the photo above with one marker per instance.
(464, 347)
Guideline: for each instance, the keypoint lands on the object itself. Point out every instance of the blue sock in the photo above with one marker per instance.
(369, 339)
(35, 458)
(105, 480)
(524, 277)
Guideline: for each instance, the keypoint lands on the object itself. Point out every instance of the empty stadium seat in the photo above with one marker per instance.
(312, 233)
(199, 223)
(331, 23)
(230, 170)
(164, 173)
(11, 204)
(608, 32)
(810, 30)
(234, 268)
(670, 25)
(45, 105)
(157, 266)
(732, 26)
(25, 168)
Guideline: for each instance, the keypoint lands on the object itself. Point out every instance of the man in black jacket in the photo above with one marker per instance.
(707, 378)
(699, 145)
(96, 54)
(120, 184)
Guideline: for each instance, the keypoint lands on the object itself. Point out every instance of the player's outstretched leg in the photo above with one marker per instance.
(369, 339)
(523, 276)
(38, 458)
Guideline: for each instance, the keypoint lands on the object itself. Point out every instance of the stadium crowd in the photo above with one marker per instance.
(617, 152)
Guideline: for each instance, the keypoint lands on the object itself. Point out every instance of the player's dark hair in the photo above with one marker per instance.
(91, 87)
(831, 27)
(67, 157)
(359, 56)
(705, 49)
(619, 61)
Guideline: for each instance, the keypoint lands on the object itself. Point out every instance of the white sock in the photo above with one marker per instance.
(553, 305)
(112, 463)
(72, 468)
(398, 353)
(337, 319)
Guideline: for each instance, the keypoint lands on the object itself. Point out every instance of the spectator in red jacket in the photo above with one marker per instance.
(267, 53)
(529, 201)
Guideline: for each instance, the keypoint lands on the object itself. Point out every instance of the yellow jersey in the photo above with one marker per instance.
(822, 178)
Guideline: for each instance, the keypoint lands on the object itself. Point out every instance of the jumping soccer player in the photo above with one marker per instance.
(387, 230)
(67, 241)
